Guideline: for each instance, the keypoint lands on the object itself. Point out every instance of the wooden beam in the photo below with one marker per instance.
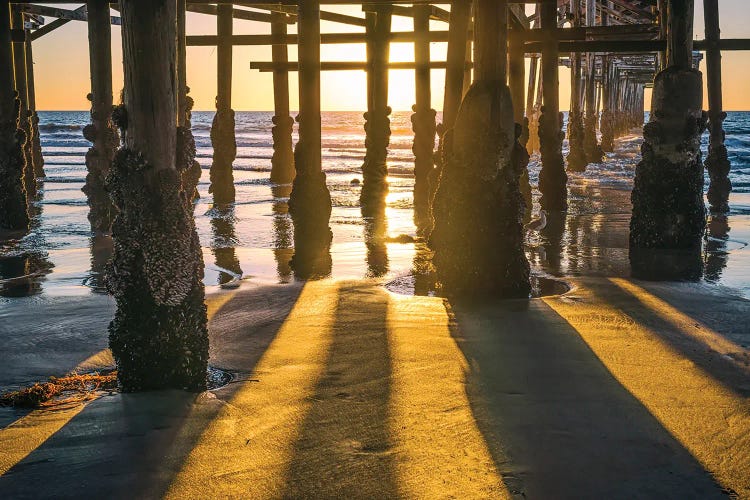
(53, 26)
(267, 66)
(309, 89)
(246, 15)
(458, 29)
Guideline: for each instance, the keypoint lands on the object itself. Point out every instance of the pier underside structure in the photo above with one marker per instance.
(471, 192)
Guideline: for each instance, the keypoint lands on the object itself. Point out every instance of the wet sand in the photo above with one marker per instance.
(617, 389)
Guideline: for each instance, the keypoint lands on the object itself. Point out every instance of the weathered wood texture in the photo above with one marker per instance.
(13, 208)
(101, 132)
(24, 123)
(36, 145)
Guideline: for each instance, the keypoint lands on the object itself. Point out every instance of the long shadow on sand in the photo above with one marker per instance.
(732, 371)
(558, 424)
(343, 449)
(117, 445)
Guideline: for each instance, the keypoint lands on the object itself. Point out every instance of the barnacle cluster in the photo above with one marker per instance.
(104, 139)
(225, 151)
(282, 161)
(13, 207)
(375, 168)
(159, 334)
(478, 208)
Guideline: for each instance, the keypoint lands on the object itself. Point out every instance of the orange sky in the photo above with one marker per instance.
(62, 74)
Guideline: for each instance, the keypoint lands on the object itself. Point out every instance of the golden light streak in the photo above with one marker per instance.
(441, 451)
(247, 444)
(709, 420)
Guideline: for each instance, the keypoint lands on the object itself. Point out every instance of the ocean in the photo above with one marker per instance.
(61, 257)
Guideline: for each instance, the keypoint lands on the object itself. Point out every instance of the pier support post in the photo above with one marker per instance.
(717, 161)
(516, 83)
(36, 145)
(576, 157)
(423, 119)
(669, 216)
(594, 153)
(552, 179)
(191, 174)
(478, 207)
(159, 335)
(222, 128)
(377, 123)
(607, 120)
(24, 122)
(13, 207)
(101, 132)
(310, 201)
(282, 162)
(458, 37)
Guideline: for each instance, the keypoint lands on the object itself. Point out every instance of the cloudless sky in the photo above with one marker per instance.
(62, 71)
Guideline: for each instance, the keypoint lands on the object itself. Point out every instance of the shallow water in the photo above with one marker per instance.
(253, 240)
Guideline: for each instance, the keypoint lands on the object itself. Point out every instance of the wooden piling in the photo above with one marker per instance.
(282, 162)
(222, 128)
(478, 208)
(36, 145)
(310, 200)
(182, 88)
(19, 76)
(669, 218)
(101, 132)
(13, 206)
(552, 179)
(516, 83)
(458, 29)
(377, 123)
(423, 119)
(577, 156)
(593, 150)
(159, 336)
(717, 161)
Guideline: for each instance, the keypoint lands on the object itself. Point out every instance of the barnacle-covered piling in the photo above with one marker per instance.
(225, 151)
(669, 216)
(101, 132)
(159, 334)
(478, 208)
